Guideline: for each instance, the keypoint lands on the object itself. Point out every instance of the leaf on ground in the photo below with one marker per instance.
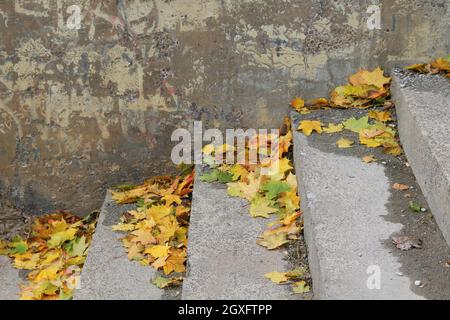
(308, 126)
(277, 277)
(274, 188)
(356, 125)
(59, 238)
(344, 143)
(333, 128)
(365, 77)
(382, 116)
(261, 207)
(273, 241)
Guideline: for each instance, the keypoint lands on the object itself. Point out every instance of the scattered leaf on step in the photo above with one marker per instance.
(382, 116)
(344, 143)
(277, 277)
(333, 128)
(308, 126)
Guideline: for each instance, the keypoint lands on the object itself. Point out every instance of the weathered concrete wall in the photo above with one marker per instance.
(84, 109)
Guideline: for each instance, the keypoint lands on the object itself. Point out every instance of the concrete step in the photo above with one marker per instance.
(423, 109)
(224, 261)
(107, 273)
(350, 214)
(9, 280)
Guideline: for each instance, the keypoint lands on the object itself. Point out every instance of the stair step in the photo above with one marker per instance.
(107, 273)
(350, 214)
(423, 110)
(224, 261)
(9, 280)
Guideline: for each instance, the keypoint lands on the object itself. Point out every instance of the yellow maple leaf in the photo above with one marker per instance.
(333, 128)
(143, 236)
(441, 64)
(59, 238)
(365, 77)
(273, 241)
(175, 261)
(344, 143)
(382, 116)
(238, 171)
(49, 273)
(171, 198)
(158, 251)
(261, 207)
(277, 277)
(308, 126)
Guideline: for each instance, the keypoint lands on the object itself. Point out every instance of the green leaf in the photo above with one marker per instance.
(274, 188)
(217, 175)
(414, 206)
(18, 245)
(209, 176)
(356, 125)
(224, 177)
(79, 246)
(59, 238)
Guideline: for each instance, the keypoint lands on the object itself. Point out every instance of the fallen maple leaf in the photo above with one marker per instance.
(308, 126)
(382, 116)
(333, 128)
(277, 277)
(344, 143)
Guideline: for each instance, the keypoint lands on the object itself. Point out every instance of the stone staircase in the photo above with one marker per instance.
(350, 214)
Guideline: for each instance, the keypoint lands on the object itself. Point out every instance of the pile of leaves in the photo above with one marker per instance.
(269, 186)
(156, 232)
(366, 89)
(437, 66)
(54, 253)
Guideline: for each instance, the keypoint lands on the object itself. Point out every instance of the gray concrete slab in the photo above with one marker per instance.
(107, 273)
(350, 214)
(423, 109)
(224, 261)
(9, 280)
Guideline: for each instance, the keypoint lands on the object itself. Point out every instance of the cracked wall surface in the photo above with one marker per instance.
(83, 110)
